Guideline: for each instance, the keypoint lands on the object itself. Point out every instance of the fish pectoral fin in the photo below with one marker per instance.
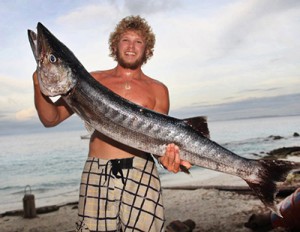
(184, 169)
(199, 124)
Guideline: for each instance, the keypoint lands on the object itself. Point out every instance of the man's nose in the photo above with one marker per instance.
(131, 44)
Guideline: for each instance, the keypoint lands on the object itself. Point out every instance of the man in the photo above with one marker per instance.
(120, 188)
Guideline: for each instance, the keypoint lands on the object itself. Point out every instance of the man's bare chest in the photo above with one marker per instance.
(139, 93)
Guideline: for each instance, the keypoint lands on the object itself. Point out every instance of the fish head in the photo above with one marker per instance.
(56, 64)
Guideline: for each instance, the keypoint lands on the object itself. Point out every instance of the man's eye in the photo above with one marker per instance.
(52, 58)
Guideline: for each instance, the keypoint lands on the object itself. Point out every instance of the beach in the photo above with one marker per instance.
(211, 209)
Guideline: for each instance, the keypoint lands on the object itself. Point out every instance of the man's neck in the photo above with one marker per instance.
(128, 73)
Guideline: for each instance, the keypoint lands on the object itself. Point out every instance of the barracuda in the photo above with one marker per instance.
(61, 73)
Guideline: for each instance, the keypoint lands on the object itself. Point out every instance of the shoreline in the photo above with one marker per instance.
(198, 177)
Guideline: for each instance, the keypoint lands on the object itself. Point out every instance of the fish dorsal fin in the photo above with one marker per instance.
(199, 124)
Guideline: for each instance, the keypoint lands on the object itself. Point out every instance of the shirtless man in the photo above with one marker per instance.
(120, 188)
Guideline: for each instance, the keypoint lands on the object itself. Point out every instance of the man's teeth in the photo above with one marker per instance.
(130, 53)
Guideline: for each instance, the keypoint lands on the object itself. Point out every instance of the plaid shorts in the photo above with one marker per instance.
(126, 197)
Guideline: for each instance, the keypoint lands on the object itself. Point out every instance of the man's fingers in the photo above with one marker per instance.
(171, 159)
(176, 159)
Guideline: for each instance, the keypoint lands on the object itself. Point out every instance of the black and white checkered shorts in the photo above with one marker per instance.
(120, 195)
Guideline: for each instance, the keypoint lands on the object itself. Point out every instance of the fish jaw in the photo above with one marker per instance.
(32, 36)
(54, 75)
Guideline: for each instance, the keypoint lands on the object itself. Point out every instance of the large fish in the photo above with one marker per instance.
(60, 73)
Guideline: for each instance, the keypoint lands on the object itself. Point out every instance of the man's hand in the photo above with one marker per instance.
(35, 78)
(171, 159)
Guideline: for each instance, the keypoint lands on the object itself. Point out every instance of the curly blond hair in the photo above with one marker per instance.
(135, 23)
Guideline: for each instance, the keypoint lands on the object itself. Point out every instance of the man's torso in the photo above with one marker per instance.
(142, 91)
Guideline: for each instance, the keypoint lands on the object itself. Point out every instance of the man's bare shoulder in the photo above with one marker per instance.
(160, 90)
(157, 84)
(161, 94)
(101, 74)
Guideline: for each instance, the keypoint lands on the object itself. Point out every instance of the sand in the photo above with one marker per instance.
(210, 209)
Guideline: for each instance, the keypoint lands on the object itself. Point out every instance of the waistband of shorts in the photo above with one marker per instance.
(144, 157)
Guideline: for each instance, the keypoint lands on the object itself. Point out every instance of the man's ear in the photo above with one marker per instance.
(147, 52)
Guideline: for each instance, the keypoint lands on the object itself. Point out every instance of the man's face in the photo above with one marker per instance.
(131, 50)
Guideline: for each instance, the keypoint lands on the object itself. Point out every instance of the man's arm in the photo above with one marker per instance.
(50, 113)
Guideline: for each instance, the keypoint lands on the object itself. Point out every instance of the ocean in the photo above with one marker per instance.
(50, 161)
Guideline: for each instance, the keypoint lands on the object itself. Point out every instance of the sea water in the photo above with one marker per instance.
(51, 161)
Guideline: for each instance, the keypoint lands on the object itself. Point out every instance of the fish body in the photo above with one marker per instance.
(61, 73)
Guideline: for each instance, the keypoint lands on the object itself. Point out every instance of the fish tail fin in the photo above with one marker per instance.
(264, 184)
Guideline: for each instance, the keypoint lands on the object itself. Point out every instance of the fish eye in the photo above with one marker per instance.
(52, 58)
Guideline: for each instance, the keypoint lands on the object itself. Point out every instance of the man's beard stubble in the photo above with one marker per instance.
(131, 66)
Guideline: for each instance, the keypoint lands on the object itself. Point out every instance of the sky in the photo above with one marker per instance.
(210, 53)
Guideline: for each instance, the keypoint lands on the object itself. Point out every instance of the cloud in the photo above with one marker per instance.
(261, 25)
(14, 95)
(26, 114)
(237, 46)
(261, 90)
(252, 107)
(89, 15)
(150, 6)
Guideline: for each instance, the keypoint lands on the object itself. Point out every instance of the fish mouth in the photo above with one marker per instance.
(39, 42)
(42, 41)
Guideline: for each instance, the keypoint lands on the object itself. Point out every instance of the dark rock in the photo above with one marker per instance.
(178, 226)
(275, 137)
(259, 222)
(284, 151)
